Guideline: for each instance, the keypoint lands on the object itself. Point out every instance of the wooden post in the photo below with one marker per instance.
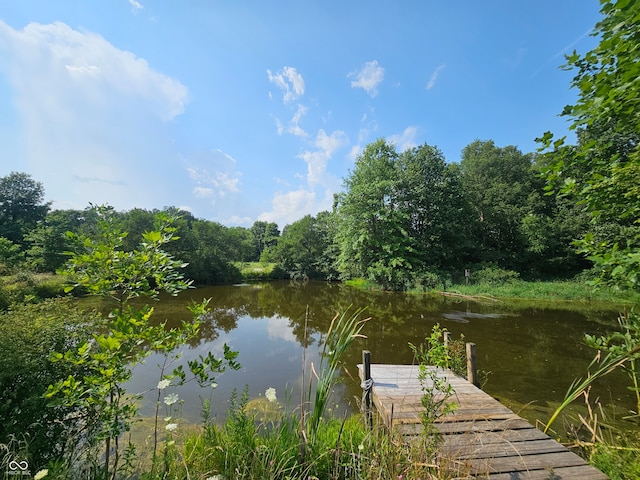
(472, 366)
(446, 338)
(367, 385)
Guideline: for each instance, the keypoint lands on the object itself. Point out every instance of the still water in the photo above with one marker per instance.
(527, 356)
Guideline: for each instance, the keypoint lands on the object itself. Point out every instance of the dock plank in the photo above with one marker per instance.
(482, 436)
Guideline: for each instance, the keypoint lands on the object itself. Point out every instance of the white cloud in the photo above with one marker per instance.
(295, 128)
(289, 207)
(434, 76)
(405, 140)
(317, 194)
(316, 160)
(214, 174)
(368, 77)
(278, 327)
(135, 6)
(91, 117)
(354, 152)
(203, 192)
(289, 81)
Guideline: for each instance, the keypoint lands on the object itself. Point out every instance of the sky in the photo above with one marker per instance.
(239, 111)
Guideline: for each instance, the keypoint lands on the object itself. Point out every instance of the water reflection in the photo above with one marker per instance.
(532, 354)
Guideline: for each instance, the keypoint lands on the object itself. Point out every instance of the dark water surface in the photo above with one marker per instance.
(530, 355)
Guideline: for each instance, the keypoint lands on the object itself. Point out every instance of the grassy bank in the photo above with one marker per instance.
(27, 287)
(260, 271)
(553, 291)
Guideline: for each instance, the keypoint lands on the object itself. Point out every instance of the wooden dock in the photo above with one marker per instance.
(482, 438)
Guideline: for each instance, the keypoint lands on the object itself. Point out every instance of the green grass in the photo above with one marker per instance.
(259, 271)
(27, 287)
(550, 291)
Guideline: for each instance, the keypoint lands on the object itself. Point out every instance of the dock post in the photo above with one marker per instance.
(472, 366)
(446, 338)
(367, 385)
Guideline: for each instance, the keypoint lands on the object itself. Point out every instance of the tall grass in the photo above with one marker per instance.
(344, 329)
(573, 291)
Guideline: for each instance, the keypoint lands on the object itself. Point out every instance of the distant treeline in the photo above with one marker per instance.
(403, 220)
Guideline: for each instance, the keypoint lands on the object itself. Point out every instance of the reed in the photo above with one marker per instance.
(344, 329)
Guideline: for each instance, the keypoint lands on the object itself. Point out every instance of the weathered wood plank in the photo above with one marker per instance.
(582, 472)
(482, 436)
(502, 449)
(549, 461)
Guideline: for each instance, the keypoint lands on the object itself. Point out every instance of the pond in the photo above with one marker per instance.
(527, 356)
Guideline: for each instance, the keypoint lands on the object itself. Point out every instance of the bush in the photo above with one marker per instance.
(30, 335)
(493, 275)
(26, 287)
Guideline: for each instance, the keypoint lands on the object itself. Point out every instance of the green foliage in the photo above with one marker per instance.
(31, 334)
(26, 287)
(104, 268)
(211, 254)
(48, 241)
(344, 329)
(617, 462)
(21, 205)
(400, 214)
(493, 275)
(305, 248)
(245, 447)
(98, 398)
(435, 352)
(10, 255)
(265, 237)
(603, 170)
(260, 271)
(502, 186)
(432, 357)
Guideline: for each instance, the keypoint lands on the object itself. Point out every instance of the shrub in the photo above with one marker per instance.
(494, 275)
(30, 334)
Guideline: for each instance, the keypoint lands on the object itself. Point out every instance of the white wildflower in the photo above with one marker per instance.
(171, 399)
(170, 427)
(41, 474)
(167, 419)
(270, 394)
(214, 385)
(361, 447)
(164, 383)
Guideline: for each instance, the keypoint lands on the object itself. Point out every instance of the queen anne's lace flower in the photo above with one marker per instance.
(170, 427)
(41, 474)
(162, 384)
(270, 394)
(171, 399)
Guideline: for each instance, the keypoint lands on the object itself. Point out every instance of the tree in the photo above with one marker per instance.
(501, 186)
(603, 170)
(265, 235)
(434, 209)
(603, 173)
(10, 255)
(365, 226)
(98, 397)
(209, 261)
(400, 216)
(241, 245)
(303, 248)
(22, 206)
(48, 241)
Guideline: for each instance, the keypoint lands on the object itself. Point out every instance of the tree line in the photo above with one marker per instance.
(403, 219)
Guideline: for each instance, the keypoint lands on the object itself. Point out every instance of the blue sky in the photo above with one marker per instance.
(252, 110)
